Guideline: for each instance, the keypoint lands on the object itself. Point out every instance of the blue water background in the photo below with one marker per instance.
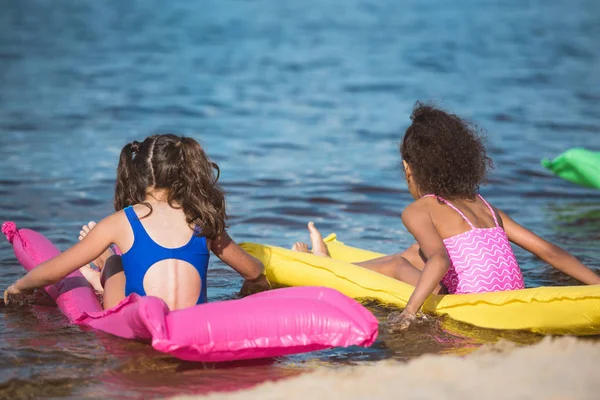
(302, 104)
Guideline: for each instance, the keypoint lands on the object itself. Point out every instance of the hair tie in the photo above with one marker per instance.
(135, 146)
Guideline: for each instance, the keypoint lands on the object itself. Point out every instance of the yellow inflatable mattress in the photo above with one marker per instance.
(562, 310)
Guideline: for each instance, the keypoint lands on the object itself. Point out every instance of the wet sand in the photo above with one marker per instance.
(555, 368)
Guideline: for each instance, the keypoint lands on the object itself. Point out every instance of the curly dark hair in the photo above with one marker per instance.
(179, 165)
(446, 154)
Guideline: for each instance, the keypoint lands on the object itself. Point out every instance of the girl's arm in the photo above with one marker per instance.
(550, 253)
(250, 268)
(57, 268)
(418, 221)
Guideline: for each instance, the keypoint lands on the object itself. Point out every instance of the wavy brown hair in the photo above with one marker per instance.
(180, 166)
(446, 153)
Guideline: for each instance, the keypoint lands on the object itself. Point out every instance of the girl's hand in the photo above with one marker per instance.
(13, 290)
(257, 285)
(85, 251)
(400, 321)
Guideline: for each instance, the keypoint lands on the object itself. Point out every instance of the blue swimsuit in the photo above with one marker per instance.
(145, 252)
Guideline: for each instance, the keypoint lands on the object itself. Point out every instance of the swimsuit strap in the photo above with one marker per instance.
(453, 207)
(139, 232)
(133, 219)
(491, 209)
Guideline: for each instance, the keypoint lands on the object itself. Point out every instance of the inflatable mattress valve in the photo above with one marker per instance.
(9, 229)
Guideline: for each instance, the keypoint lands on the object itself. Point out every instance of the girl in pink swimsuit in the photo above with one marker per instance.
(463, 243)
(481, 259)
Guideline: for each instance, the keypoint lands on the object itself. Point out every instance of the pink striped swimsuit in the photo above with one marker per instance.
(481, 259)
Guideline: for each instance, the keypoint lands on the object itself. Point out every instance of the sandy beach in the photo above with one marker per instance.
(555, 368)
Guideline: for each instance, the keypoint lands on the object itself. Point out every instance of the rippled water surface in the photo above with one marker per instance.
(302, 104)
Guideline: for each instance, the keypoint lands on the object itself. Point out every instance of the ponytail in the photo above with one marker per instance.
(128, 185)
(197, 190)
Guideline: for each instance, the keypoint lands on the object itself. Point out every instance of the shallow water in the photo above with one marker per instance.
(302, 104)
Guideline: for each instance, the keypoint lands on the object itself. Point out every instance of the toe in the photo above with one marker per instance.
(85, 229)
(301, 247)
(313, 229)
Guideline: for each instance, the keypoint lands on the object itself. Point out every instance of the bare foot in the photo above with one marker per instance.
(301, 247)
(100, 261)
(318, 245)
(93, 276)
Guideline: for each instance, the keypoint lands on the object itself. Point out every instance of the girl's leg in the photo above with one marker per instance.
(399, 267)
(395, 266)
(414, 256)
(113, 280)
(319, 248)
(405, 267)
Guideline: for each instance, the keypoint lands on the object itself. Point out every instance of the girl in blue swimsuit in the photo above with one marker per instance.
(170, 213)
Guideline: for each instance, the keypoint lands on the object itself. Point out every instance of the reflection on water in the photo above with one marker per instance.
(302, 104)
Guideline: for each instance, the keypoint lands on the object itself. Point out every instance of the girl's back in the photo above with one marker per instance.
(163, 256)
(481, 257)
(450, 223)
